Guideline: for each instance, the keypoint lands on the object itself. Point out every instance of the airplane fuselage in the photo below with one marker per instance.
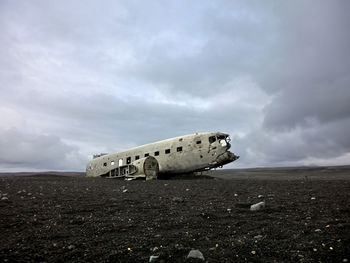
(189, 153)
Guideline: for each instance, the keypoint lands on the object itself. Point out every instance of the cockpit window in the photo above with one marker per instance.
(221, 137)
(212, 139)
(223, 143)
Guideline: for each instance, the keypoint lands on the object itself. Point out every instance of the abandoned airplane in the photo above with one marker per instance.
(190, 153)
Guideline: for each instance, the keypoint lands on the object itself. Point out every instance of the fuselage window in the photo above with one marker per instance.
(104, 164)
(112, 162)
(167, 151)
(137, 157)
(198, 142)
(120, 162)
(128, 160)
(179, 149)
(212, 139)
(156, 153)
(146, 154)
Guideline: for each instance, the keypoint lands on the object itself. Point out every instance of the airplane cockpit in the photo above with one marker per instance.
(223, 139)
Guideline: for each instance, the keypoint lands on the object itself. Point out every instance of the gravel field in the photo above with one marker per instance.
(65, 217)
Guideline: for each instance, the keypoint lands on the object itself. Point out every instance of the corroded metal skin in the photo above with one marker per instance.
(184, 154)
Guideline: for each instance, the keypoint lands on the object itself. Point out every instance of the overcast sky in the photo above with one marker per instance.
(84, 77)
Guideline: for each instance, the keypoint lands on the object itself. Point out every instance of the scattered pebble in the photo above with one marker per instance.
(235, 195)
(195, 253)
(345, 260)
(153, 258)
(155, 249)
(257, 206)
(318, 230)
(229, 210)
(313, 198)
(125, 190)
(260, 196)
(4, 198)
(253, 252)
(258, 237)
(70, 247)
(177, 199)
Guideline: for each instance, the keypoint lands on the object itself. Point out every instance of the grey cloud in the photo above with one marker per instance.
(110, 119)
(312, 72)
(22, 150)
(112, 75)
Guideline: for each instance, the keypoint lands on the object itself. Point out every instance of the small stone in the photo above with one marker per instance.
(125, 190)
(318, 230)
(258, 237)
(260, 196)
(153, 258)
(70, 247)
(253, 252)
(229, 210)
(4, 198)
(195, 253)
(235, 195)
(155, 249)
(212, 248)
(345, 260)
(257, 206)
(313, 198)
(179, 246)
(177, 199)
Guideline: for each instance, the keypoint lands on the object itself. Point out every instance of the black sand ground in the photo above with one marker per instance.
(55, 218)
